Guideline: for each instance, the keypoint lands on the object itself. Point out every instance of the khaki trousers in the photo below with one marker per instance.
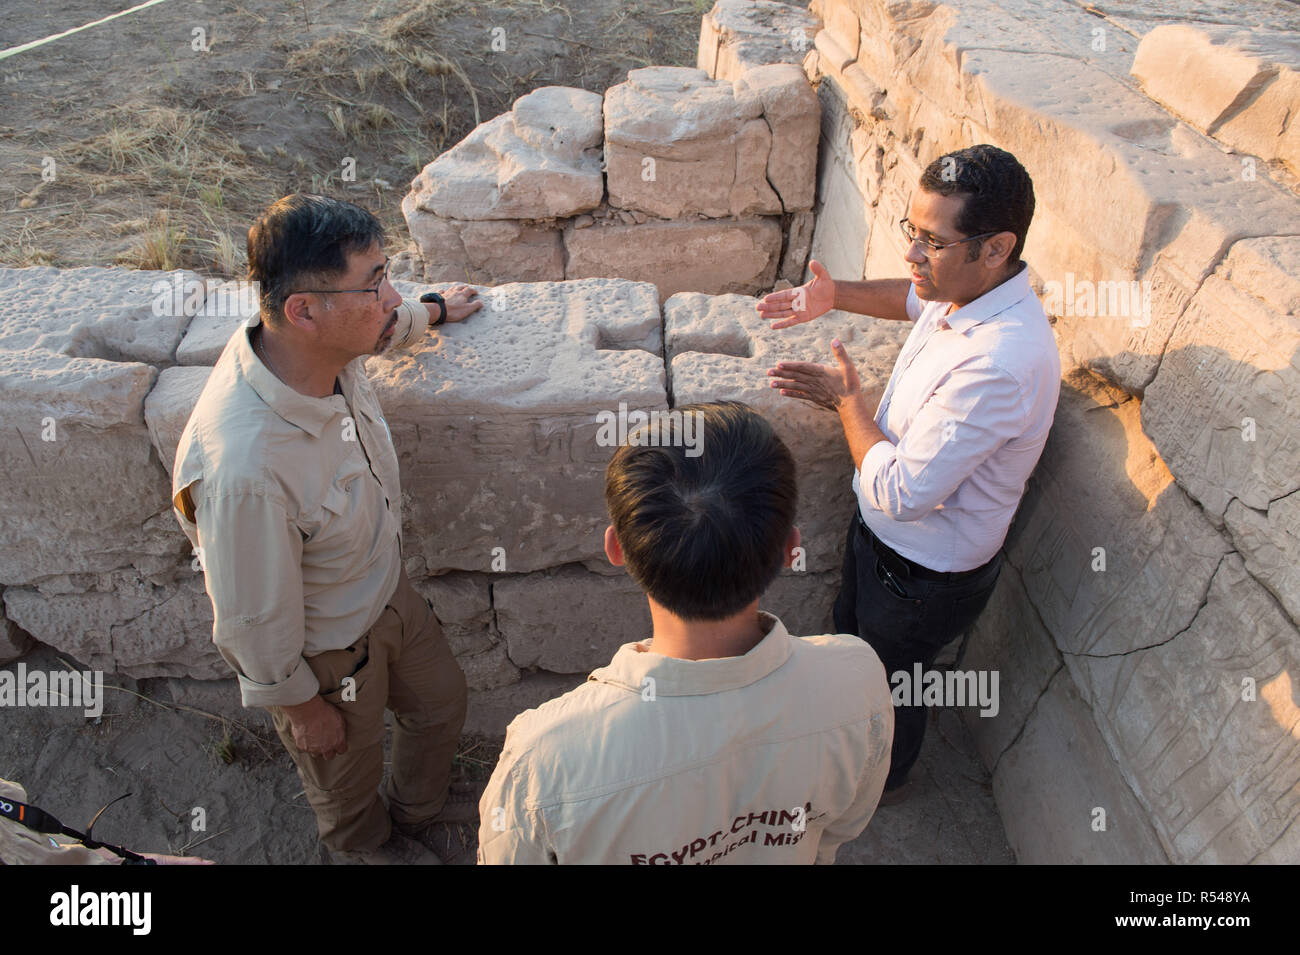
(402, 663)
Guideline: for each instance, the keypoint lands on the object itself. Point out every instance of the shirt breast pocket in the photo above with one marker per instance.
(341, 518)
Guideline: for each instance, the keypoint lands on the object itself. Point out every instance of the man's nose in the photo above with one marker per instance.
(388, 295)
(914, 253)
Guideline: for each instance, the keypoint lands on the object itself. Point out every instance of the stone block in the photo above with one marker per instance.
(83, 479)
(496, 421)
(486, 252)
(792, 113)
(119, 315)
(737, 35)
(1206, 727)
(168, 407)
(684, 255)
(569, 620)
(718, 349)
(122, 622)
(540, 160)
(678, 143)
(1104, 532)
(1223, 407)
(1008, 638)
(1053, 780)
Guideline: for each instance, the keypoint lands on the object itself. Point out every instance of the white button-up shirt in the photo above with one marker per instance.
(966, 414)
(774, 757)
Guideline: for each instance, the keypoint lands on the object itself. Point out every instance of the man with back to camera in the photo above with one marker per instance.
(286, 482)
(943, 452)
(722, 738)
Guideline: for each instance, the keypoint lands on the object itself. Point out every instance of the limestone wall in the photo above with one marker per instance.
(496, 426)
(1145, 625)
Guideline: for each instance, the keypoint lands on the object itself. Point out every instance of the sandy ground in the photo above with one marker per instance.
(161, 155)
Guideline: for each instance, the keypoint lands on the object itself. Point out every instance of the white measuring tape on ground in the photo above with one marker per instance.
(41, 42)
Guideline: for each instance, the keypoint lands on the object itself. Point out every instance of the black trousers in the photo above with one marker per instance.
(907, 620)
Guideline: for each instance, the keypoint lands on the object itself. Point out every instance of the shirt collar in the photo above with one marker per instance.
(674, 677)
(996, 300)
(303, 411)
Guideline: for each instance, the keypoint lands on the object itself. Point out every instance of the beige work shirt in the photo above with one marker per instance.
(294, 508)
(777, 756)
(22, 846)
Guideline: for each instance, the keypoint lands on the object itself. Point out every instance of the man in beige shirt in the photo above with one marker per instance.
(722, 739)
(286, 483)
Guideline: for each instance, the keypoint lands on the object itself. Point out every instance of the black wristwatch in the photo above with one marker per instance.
(442, 306)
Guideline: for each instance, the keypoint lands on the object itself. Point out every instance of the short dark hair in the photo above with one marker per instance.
(704, 535)
(305, 237)
(999, 195)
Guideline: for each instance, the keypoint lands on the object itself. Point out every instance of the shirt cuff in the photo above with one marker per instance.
(875, 457)
(299, 687)
(412, 323)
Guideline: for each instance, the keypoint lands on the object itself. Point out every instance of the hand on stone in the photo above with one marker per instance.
(822, 385)
(461, 303)
(794, 306)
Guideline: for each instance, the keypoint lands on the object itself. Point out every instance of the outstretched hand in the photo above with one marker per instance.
(794, 306)
(822, 385)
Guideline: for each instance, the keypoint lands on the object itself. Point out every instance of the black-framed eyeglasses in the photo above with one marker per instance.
(911, 235)
(326, 291)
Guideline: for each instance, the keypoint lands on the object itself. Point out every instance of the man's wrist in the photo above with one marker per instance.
(433, 298)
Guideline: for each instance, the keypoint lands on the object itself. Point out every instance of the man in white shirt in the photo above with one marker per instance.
(943, 452)
(722, 739)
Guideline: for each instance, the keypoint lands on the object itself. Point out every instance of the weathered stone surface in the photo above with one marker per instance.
(690, 255)
(540, 160)
(1270, 544)
(168, 407)
(463, 603)
(1009, 639)
(798, 244)
(1052, 781)
(791, 111)
(1207, 730)
(737, 35)
(227, 306)
(488, 669)
(487, 252)
(495, 421)
(569, 620)
(120, 315)
(1223, 406)
(678, 143)
(839, 239)
(1239, 86)
(719, 348)
(1102, 497)
(83, 481)
(123, 623)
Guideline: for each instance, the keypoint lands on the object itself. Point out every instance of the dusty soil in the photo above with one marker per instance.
(168, 130)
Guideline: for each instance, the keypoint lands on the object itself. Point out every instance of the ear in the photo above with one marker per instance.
(791, 543)
(297, 311)
(612, 548)
(997, 250)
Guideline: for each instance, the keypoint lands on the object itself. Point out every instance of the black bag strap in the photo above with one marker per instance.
(38, 820)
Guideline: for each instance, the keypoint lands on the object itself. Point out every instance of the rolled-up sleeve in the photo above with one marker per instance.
(976, 410)
(412, 323)
(252, 562)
